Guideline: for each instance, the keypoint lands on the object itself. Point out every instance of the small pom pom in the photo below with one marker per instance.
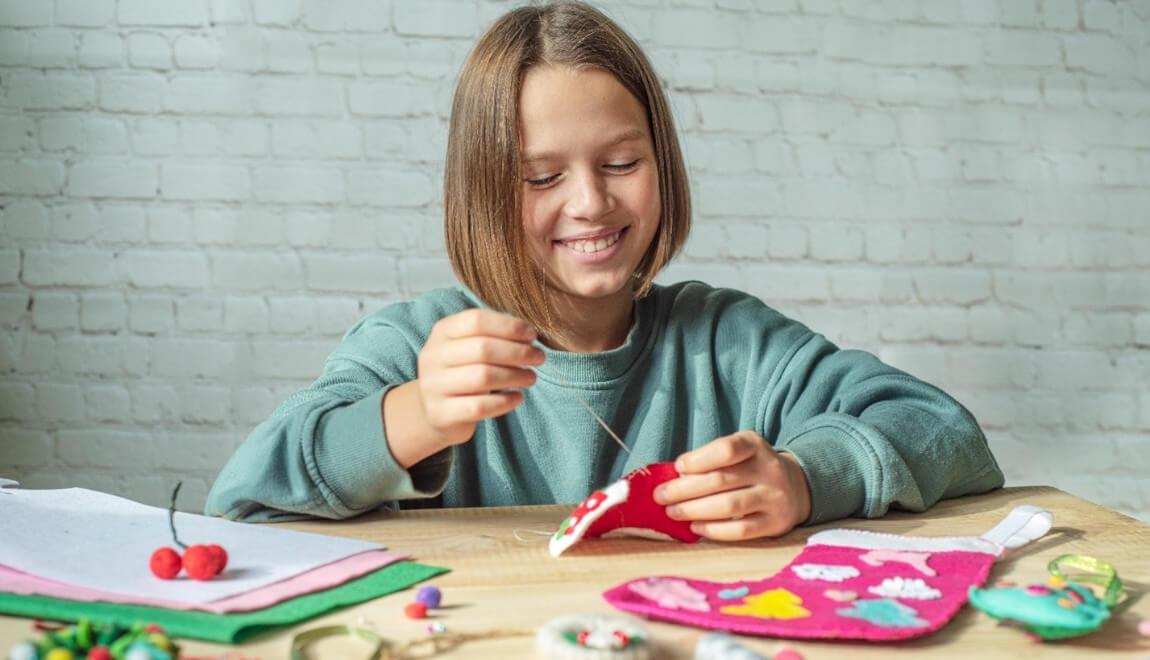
(165, 563)
(201, 563)
(415, 611)
(221, 555)
(788, 653)
(429, 596)
(100, 653)
(59, 653)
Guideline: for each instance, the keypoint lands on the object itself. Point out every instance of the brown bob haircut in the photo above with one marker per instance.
(482, 180)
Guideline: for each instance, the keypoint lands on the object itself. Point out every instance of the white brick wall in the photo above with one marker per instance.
(198, 197)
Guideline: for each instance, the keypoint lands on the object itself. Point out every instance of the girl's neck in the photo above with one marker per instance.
(592, 326)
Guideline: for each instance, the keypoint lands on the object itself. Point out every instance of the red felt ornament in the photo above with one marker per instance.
(165, 563)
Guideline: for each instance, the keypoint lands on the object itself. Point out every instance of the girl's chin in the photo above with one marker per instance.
(596, 290)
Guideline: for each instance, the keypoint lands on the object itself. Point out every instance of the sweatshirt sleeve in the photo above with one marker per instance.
(870, 436)
(324, 451)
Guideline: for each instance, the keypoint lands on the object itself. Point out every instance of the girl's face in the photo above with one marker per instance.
(590, 184)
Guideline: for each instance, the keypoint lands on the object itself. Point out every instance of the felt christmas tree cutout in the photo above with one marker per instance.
(626, 507)
(845, 584)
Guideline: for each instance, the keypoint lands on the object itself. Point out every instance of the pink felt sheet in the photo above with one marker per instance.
(318, 579)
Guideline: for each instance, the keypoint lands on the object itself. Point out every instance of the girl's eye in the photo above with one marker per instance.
(543, 181)
(622, 167)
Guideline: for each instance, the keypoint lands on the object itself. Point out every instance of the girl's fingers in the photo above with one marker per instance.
(488, 350)
(720, 453)
(694, 486)
(748, 527)
(473, 409)
(723, 506)
(479, 379)
(484, 322)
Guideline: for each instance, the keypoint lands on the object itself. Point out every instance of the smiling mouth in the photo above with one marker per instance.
(591, 246)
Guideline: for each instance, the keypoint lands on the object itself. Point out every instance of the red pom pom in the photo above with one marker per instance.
(165, 563)
(415, 610)
(201, 563)
(100, 653)
(221, 555)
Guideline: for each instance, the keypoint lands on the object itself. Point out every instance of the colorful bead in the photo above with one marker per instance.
(436, 628)
(429, 596)
(415, 610)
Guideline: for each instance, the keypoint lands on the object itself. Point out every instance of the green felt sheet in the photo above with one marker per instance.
(226, 628)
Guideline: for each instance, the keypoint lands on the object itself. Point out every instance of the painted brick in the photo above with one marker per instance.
(55, 311)
(204, 182)
(112, 179)
(163, 269)
(434, 18)
(166, 13)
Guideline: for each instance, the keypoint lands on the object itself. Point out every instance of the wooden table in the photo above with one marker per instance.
(503, 577)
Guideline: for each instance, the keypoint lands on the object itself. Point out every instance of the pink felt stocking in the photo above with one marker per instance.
(845, 584)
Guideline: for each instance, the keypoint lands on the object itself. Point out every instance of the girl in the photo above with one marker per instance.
(565, 194)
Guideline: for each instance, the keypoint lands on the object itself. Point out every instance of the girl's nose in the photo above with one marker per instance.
(589, 199)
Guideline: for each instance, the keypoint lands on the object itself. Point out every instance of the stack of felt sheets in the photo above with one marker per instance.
(74, 553)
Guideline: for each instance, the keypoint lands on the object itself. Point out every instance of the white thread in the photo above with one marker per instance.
(515, 533)
(587, 406)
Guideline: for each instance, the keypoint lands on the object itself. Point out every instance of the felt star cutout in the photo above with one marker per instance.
(773, 604)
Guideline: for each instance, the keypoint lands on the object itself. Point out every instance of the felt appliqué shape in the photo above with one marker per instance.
(916, 560)
(825, 572)
(671, 593)
(907, 588)
(626, 507)
(773, 604)
(848, 584)
(884, 612)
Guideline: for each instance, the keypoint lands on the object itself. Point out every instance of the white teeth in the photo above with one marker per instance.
(589, 247)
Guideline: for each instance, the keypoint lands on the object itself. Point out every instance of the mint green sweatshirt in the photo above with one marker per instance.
(697, 364)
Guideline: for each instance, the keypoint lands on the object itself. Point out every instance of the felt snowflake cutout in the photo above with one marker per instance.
(909, 588)
(826, 572)
(672, 593)
(885, 612)
(773, 604)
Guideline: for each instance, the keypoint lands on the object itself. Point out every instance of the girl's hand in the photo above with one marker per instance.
(466, 372)
(469, 368)
(736, 488)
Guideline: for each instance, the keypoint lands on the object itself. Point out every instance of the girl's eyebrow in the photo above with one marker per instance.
(628, 135)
